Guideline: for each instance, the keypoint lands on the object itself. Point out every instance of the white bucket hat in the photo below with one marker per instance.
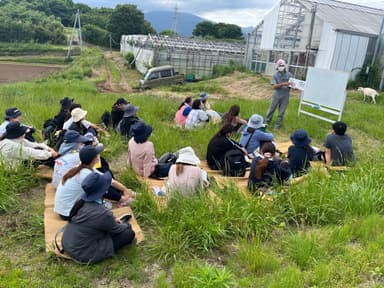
(187, 156)
(256, 121)
(78, 114)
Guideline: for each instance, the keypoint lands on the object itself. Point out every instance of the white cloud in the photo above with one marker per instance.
(240, 12)
(241, 17)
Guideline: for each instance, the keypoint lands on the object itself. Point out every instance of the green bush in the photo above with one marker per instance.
(368, 76)
(129, 57)
(222, 70)
(197, 275)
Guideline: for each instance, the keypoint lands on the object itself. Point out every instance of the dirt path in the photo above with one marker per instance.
(110, 85)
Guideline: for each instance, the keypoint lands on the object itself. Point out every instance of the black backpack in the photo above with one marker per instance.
(234, 163)
(50, 128)
(165, 162)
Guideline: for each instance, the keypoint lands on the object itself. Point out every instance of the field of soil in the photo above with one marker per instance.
(22, 72)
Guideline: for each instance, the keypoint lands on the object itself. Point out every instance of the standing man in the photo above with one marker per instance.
(280, 97)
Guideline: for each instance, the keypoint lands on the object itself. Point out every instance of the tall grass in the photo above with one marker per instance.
(198, 275)
(13, 184)
(274, 242)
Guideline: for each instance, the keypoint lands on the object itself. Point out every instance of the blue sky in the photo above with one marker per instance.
(240, 12)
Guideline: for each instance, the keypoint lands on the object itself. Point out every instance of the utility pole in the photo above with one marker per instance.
(110, 42)
(174, 22)
(78, 31)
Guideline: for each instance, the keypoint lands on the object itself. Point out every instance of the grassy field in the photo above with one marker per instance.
(324, 232)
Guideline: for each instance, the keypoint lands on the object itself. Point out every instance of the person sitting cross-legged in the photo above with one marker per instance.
(14, 115)
(93, 233)
(16, 150)
(141, 152)
(197, 117)
(185, 177)
(254, 134)
(338, 146)
(219, 145)
(266, 170)
(69, 189)
(69, 155)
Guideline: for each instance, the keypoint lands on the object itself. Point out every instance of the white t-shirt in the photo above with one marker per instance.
(67, 194)
(63, 165)
(2, 127)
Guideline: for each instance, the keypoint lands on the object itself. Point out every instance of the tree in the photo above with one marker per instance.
(168, 33)
(127, 19)
(228, 31)
(217, 30)
(203, 29)
(95, 35)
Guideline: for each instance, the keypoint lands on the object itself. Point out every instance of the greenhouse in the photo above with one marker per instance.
(193, 57)
(323, 33)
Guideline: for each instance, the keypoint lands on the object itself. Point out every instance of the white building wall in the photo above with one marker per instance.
(269, 27)
(349, 52)
(144, 57)
(326, 48)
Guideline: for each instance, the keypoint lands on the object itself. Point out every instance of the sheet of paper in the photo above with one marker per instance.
(296, 84)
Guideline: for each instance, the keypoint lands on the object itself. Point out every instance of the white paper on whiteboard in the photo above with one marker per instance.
(326, 87)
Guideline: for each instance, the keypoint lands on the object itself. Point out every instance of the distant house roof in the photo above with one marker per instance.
(347, 17)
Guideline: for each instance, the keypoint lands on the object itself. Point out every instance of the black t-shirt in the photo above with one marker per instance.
(299, 158)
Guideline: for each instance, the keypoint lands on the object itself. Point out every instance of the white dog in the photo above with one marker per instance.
(369, 92)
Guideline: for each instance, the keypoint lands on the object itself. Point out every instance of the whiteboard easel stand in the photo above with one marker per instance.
(325, 90)
(333, 111)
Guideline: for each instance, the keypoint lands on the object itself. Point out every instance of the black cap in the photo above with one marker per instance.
(14, 130)
(88, 153)
(12, 113)
(121, 101)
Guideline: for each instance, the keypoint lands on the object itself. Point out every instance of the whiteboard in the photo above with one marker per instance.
(326, 87)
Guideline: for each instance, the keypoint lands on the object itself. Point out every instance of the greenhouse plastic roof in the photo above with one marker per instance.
(346, 16)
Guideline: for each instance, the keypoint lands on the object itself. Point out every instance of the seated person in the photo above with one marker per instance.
(118, 110)
(232, 117)
(77, 116)
(197, 117)
(15, 149)
(129, 118)
(69, 189)
(14, 115)
(254, 134)
(183, 111)
(116, 114)
(185, 176)
(338, 146)
(204, 101)
(219, 145)
(214, 117)
(141, 152)
(81, 124)
(64, 113)
(69, 155)
(300, 153)
(93, 233)
(266, 170)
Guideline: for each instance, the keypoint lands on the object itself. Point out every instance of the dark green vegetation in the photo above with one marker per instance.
(218, 30)
(324, 232)
(44, 21)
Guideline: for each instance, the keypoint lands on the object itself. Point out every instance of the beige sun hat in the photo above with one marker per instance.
(187, 156)
(78, 114)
